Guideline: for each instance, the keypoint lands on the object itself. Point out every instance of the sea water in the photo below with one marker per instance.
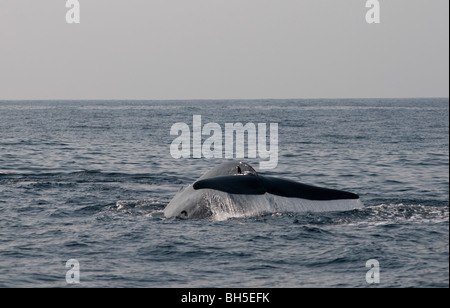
(88, 180)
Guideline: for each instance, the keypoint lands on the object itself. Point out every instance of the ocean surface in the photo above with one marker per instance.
(88, 180)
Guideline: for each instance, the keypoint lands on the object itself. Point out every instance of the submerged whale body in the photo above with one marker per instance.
(234, 189)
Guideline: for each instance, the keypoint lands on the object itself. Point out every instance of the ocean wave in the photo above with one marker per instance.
(148, 207)
(379, 215)
(86, 176)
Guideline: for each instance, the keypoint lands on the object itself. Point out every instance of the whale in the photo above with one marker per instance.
(234, 189)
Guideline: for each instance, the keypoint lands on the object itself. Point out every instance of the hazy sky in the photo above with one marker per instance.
(223, 49)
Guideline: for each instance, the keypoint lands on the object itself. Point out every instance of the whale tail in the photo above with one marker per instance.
(234, 189)
(259, 185)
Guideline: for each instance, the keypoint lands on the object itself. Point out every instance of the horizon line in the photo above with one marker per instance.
(224, 99)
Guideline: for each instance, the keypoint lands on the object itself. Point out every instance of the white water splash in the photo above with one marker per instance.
(148, 207)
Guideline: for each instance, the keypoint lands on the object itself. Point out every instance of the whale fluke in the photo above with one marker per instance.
(235, 189)
(259, 185)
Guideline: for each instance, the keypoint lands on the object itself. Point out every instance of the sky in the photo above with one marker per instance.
(223, 49)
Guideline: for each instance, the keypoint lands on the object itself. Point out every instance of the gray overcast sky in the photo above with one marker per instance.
(223, 49)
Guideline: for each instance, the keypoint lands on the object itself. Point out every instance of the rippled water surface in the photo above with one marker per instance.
(89, 180)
